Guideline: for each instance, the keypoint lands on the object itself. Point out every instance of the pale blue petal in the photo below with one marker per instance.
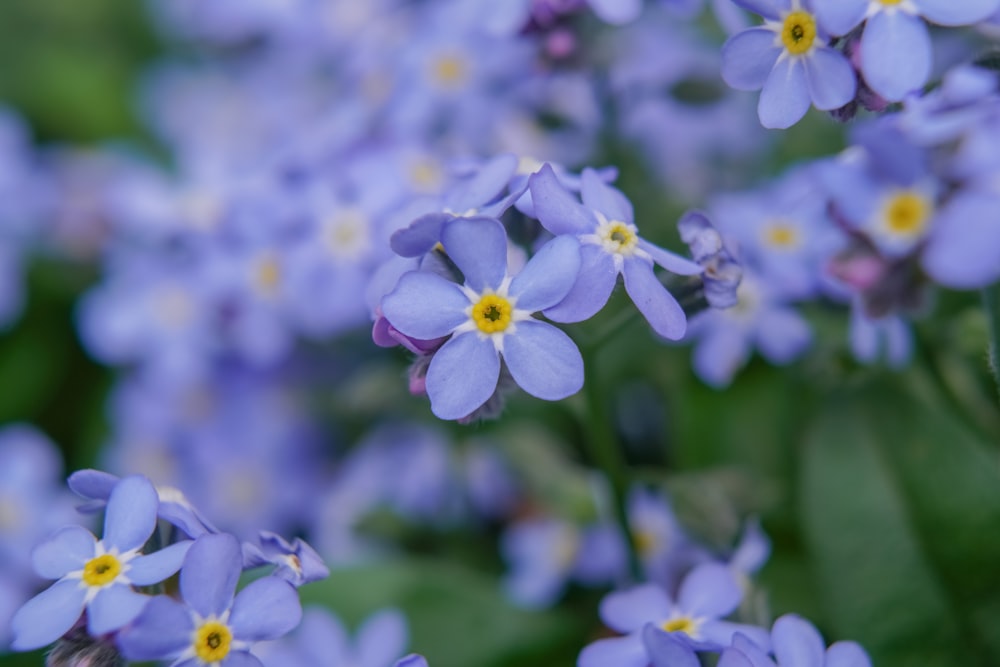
(162, 630)
(485, 185)
(952, 12)
(544, 361)
(758, 655)
(548, 276)
(709, 590)
(114, 607)
(557, 209)
(420, 237)
(782, 335)
(478, 246)
(748, 58)
(719, 353)
(733, 658)
(666, 650)
(92, 484)
(131, 514)
(66, 551)
(157, 566)
(895, 54)
(594, 283)
(964, 249)
(832, 81)
(785, 97)
(324, 638)
(382, 638)
(266, 609)
(618, 652)
(412, 660)
(617, 12)
(210, 573)
(797, 642)
(682, 266)
(425, 306)
(462, 375)
(769, 9)
(599, 196)
(847, 654)
(47, 616)
(241, 659)
(628, 611)
(839, 17)
(722, 633)
(656, 304)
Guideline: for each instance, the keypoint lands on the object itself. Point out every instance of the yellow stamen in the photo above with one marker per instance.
(492, 313)
(268, 275)
(619, 237)
(906, 213)
(890, 2)
(798, 32)
(101, 570)
(645, 542)
(449, 70)
(684, 624)
(212, 641)
(781, 235)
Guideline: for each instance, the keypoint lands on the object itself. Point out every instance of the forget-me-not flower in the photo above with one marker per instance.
(489, 317)
(796, 643)
(97, 575)
(788, 58)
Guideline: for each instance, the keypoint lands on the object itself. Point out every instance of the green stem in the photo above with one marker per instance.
(606, 452)
(991, 304)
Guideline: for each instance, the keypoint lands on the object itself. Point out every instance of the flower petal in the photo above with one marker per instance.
(92, 484)
(797, 642)
(131, 513)
(964, 249)
(549, 276)
(161, 631)
(47, 616)
(557, 209)
(620, 652)
(782, 334)
(748, 58)
(114, 607)
(425, 306)
(665, 650)
(733, 658)
(617, 12)
(485, 185)
(785, 97)
(420, 237)
(846, 654)
(721, 351)
(630, 610)
(951, 13)
(842, 16)
(266, 609)
(67, 550)
(656, 304)
(543, 360)
(895, 54)
(673, 263)
(594, 283)
(382, 638)
(210, 573)
(599, 196)
(831, 79)
(769, 9)
(478, 246)
(722, 633)
(462, 376)
(241, 659)
(157, 566)
(709, 590)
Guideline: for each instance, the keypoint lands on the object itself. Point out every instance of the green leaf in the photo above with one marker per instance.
(457, 617)
(899, 509)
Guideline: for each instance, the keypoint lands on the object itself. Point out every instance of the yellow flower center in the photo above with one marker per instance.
(684, 624)
(212, 641)
(492, 313)
(890, 2)
(645, 542)
(619, 237)
(906, 213)
(798, 32)
(268, 275)
(449, 71)
(781, 235)
(101, 570)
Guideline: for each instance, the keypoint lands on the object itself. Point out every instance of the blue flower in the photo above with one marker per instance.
(97, 575)
(490, 317)
(796, 643)
(896, 44)
(322, 640)
(657, 624)
(297, 562)
(610, 246)
(788, 58)
(216, 626)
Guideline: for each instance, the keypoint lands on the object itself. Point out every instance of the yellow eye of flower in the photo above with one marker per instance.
(684, 624)
(781, 235)
(492, 313)
(906, 213)
(618, 237)
(268, 275)
(890, 2)
(449, 71)
(101, 570)
(212, 641)
(798, 32)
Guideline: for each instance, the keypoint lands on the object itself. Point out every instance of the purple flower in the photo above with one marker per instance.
(796, 643)
(896, 45)
(489, 318)
(658, 624)
(788, 58)
(610, 246)
(412, 660)
(214, 626)
(297, 562)
(322, 640)
(97, 575)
